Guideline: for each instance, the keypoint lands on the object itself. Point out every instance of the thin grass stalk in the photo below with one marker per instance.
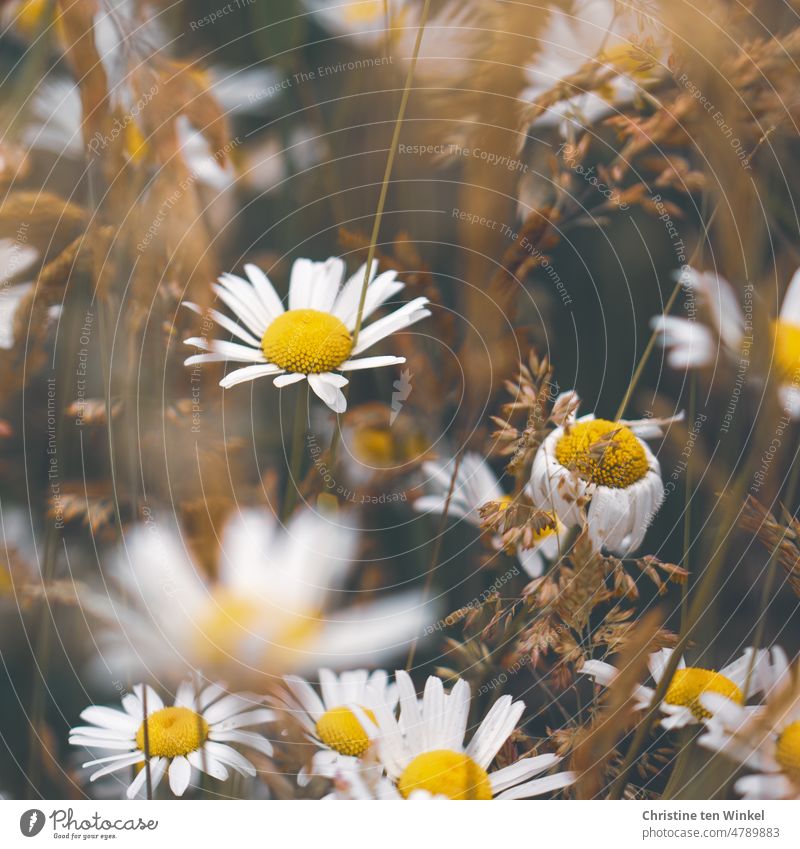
(437, 548)
(687, 506)
(706, 587)
(146, 742)
(296, 460)
(637, 374)
(376, 225)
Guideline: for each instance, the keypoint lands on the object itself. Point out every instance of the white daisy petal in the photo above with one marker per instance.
(401, 318)
(540, 786)
(229, 350)
(204, 762)
(247, 296)
(230, 757)
(244, 738)
(521, 771)
(287, 379)
(370, 362)
(243, 312)
(121, 762)
(110, 718)
(180, 773)
(242, 375)
(100, 743)
(265, 290)
(246, 719)
(495, 729)
(157, 769)
(327, 390)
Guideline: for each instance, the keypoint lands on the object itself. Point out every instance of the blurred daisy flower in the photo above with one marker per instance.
(312, 340)
(275, 601)
(329, 721)
(765, 739)
(423, 750)
(683, 703)
(476, 485)
(453, 39)
(195, 733)
(620, 41)
(694, 344)
(15, 259)
(606, 469)
(367, 21)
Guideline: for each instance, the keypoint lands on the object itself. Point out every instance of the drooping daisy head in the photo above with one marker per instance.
(634, 46)
(314, 339)
(367, 21)
(476, 485)
(715, 330)
(331, 719)
(423, 749)
(277, 601)
(764, 739)
(601, 472)
(683, 701)
(198, 732)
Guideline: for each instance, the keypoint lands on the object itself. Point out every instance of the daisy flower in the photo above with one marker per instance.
(599, 30)
(476, 485)
(195, 733)
(329, 720)
(275, 601)
(423, 750)
(365, 21)
(605, 469)
(313, 339)
(15, 259)
(682, 702)
(693, 344)
(765, 739)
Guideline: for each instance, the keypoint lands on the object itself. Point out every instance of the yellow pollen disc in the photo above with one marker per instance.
(548, 530)
(445, 773)
(374, 445)
(363, 11)
(688, 684)
(173, 731)
(787, 751)
(340, 730)
(307, 342)
(628, 59)
(505, 502)
(135, 143)
(603, 452)
(787, 348)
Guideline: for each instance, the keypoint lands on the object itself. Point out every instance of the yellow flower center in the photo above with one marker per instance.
(307, 342)
(340, 730)
(787, 751)
(236, 625)
(547, 530)
(173, 731)
(445, 773)
(504, 502)
(687, 685)
(374, 445)
(787, 348)
(363, 11)
(630, 59)
(603, 452)
(135, 143)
